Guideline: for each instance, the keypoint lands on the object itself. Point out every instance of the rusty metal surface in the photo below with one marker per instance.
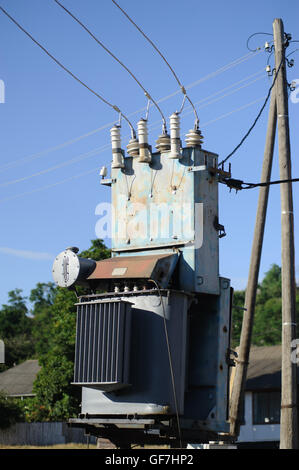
(137, 267)
(167, 204)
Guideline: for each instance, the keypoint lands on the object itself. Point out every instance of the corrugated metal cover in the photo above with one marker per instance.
(102, 344)
(157, 267)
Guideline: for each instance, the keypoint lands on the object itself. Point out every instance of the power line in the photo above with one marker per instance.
(183, 89)
(255, 34)
(49, 186)
(229, 93)
(117, 59)
(256, 119)
(268, 183)
(107, 146)
(80, 157)
(68, 71)
(219, 71)
(238, 185)
(42, 188)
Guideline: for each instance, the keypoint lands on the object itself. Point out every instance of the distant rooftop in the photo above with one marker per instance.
(264, 370)
(18, 381)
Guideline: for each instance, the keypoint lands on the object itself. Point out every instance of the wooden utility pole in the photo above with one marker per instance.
(238, 389)
(288, 421)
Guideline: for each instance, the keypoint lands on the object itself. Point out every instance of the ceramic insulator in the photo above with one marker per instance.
(144, 153)
(194, 138)
(133, 148)
(163, 143)
(175, 141)
(117, 157)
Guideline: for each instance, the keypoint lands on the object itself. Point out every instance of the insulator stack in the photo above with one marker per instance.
(175, 141)
(163, 143)
(194, 138)
(117, 156)
(144, 153)
(133, 147)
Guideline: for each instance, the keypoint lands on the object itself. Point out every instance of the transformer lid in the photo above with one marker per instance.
(157, 267)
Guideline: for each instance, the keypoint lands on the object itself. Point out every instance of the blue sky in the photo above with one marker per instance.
(46, 201)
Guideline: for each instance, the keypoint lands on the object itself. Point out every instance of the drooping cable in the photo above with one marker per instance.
(42, 188)
(105, 126)
(170, 361)
(183, 89)
(147, 94)
(68, 71)
(268, 183)
(100, 149)
(238, 185)
(256, 119)
(251, 36)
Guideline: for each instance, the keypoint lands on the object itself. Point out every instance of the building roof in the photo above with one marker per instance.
(264, 370)
(18, 380)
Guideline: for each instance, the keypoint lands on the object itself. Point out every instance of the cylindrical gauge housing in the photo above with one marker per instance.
(144, 153)
(69, 269)
(117, 156)
(175, 141)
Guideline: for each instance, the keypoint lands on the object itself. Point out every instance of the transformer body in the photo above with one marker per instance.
(153, 339)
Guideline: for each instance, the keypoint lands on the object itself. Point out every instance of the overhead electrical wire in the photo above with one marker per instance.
(79, 158)
(211, 75)
(233, 91)
(94, 152)
(147, 94)
(239, 184)
(183, 89)
(214, 74)
(256, 119)
(69, 72)
(268, 183)
(251, 36)
(49, 186)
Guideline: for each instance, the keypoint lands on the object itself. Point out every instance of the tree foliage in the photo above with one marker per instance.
(47, 331)
(267, 317)
(16, 329)
(10, 412)
(56, 399)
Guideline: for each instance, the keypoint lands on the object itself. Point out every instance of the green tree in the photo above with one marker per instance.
(237, 317)
(267, 316)
(56, 398)
(42, 298)
(10, 411)
(16, 329)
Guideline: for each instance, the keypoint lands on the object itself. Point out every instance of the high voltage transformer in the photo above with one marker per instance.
(153, 332)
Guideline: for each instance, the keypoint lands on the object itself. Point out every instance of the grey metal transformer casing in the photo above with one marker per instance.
(197, 301)
(170, 203)
(150, 390)
(199, 341)
(102, 343)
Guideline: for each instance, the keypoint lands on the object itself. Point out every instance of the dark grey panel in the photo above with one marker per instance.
(102, 344)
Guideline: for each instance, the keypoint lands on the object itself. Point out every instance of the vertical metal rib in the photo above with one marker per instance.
(101, 340)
